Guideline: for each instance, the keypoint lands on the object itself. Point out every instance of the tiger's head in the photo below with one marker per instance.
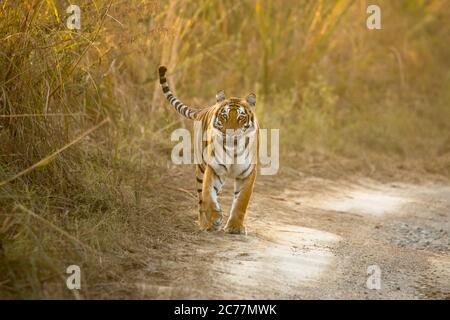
(235, 115)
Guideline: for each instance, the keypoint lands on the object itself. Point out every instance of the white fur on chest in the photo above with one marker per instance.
(230, 159)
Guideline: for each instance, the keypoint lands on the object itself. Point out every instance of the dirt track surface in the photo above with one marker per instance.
(313, 238)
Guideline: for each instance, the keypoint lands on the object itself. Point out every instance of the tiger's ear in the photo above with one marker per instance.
(251, 99)
(220, 96)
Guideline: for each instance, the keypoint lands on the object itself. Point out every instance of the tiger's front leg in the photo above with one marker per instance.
(243, 189)
(199, 172)
(210, 210)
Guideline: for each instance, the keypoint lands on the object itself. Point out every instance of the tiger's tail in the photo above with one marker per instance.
(183, 109)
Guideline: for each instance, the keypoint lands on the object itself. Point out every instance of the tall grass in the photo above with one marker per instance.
(331, 85)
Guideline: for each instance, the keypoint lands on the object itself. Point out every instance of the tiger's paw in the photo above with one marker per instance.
(211, 221)
(202, 221)
(215, 225)
(235, 229)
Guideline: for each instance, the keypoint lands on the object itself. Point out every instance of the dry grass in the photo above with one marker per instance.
(336, 90)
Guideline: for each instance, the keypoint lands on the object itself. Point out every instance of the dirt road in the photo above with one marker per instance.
(313, 238)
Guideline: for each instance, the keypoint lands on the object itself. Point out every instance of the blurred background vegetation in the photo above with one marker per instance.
(334, 88)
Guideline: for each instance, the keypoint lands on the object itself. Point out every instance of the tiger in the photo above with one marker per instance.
(233, 121)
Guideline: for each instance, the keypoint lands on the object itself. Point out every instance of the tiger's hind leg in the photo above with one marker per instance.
(243, 189)
(210, 207)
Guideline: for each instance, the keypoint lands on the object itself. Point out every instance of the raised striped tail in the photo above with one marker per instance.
(177, 104)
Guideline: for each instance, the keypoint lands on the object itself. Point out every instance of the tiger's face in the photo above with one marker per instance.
(235, 116)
